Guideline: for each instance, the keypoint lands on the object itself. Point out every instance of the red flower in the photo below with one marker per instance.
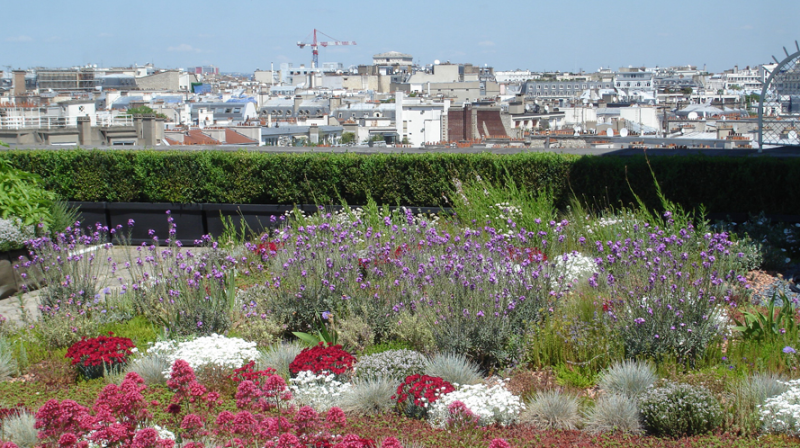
(91, 355)
(322, 358)
(421, 389)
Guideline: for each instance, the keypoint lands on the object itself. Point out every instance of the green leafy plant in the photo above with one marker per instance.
(322, 334)
(769, 326)
(22, 195)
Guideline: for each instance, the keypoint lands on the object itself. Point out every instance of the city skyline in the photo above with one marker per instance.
(539, 36)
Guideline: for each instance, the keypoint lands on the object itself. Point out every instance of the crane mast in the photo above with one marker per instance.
(314, 44)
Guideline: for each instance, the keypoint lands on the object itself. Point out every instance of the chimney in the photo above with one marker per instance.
(19, 83)
(85, 131)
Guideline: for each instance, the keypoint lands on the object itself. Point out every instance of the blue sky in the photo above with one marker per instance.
(242, 35)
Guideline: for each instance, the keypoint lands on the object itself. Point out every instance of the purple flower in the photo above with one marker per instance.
(326, 315)
(788, 349)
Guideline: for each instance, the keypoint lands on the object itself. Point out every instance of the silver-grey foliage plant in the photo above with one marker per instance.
(20, 430)
(279, 356)
(395, 364)
(453, 368)
(612, 413)
(629, 378)
(8, 364)
(150, 367)
(552, 410)
(371, 396)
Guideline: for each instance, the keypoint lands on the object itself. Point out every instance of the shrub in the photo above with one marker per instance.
(393, 364)
(13, 234)
(418, 392)
(415, 331)
(552, 410)
(216, 350)
(781, 414)
(20, 429)
(489, 405)
(629, 378)
(354, 333)
(323, 358)
(453, 368)
(93, 355)
(321, 392)
(262, 331)
(370, 396)
(679, 410)
(612, 413)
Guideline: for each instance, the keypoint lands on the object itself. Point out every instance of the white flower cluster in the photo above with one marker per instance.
(162, 434)
(781, 414)
(213, 350)
(576, 266)
(321, 392)
(491, 405)
(13, 234)
(623, 221)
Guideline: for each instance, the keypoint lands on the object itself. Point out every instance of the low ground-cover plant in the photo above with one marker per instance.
(213, 350)
(487, 405)
(781, 414)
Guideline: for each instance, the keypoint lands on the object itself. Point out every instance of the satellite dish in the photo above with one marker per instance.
(692, 116)
(610, 132)
(623, 132)
(436, 62)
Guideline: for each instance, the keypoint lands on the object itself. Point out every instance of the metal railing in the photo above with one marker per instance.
(58, 122)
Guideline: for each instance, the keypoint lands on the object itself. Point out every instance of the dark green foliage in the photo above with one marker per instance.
(728, 185)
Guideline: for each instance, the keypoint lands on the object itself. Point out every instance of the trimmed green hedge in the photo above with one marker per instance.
(727, 185)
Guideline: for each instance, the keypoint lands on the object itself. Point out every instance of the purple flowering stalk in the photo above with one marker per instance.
(669, 288)
(187, 290)
(453, 278)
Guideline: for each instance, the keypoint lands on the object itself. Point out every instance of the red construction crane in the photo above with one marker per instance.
(314, 46)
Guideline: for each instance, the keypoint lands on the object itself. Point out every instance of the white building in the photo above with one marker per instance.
(515, 76)
(420, 121)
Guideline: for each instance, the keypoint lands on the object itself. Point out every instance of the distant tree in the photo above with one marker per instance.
(348, 137)
(143, 110)
(686, 90)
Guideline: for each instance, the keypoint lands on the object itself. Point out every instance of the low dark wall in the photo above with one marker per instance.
(192, 220)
